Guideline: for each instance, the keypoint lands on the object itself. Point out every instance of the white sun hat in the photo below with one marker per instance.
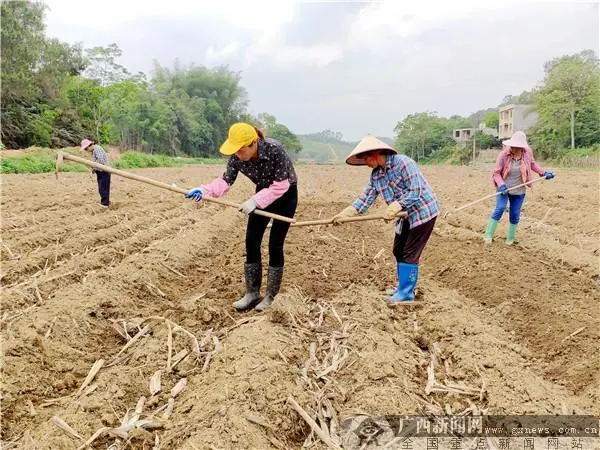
(518, 140)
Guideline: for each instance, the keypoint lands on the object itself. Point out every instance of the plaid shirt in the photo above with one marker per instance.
(401, 181)
(99, 156)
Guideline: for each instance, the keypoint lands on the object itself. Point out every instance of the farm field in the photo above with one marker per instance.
(147, 285)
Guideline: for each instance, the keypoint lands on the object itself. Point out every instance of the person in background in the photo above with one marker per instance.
(99, 156)
(513, 168)
(267, 164)
(402, 185)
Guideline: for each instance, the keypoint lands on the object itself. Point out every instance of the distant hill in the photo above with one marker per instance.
(387, 140)
(319, 151)
(328, 146)
(477, 117)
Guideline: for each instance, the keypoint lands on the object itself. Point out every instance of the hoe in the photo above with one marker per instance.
(61, 156)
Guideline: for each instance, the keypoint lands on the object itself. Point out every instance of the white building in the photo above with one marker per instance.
(515, 118)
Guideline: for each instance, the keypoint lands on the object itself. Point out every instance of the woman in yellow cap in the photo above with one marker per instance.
(267, 164)
(404, 188)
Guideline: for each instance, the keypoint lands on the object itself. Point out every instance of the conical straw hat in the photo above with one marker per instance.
(367, 144)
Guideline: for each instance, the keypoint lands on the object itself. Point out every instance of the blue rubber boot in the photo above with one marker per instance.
(408, 274)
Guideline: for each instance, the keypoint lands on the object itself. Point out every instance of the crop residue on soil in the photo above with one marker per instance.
(97, 303)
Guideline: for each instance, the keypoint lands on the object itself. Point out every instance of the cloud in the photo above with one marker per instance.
(352, 67)
(282, 57)
(374, 27)
(318, 55)
(228, 51)
(113, 13)
(267, 45)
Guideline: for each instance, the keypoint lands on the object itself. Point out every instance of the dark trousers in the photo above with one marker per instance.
(284, 206)
(103, 187)
(409, 244)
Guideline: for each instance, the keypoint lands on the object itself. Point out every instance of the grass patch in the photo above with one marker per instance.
(200, 160)
(42, 160)
(35, 164)
(135, 160)
(581, 158)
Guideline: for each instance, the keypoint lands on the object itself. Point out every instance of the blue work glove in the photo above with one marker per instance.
(502, 189)
(195, 194)
(548, 175)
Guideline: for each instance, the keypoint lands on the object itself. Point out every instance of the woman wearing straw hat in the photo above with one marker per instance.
(402, 185)
(267, 164)
(103, 178)
(513, 167)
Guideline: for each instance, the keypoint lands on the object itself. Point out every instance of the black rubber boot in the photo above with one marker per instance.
(274, 278)
(253, 274)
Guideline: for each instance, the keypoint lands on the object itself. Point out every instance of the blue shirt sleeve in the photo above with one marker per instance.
(366, 199)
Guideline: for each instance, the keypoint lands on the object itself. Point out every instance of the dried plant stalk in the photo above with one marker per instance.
(94, 436)
(155, 383)
(89, 390)
(179, 387)
(169, 346)
(326, 438)
(92, 373)
(179, 357)
(206, 363)
(176, 327)
(122, 431)
(217, 344)
(65, 427)
(169, 409)
(142, 332)
(139, 407)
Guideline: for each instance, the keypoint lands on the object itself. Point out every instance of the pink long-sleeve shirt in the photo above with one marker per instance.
(527, 166)
(263, 198)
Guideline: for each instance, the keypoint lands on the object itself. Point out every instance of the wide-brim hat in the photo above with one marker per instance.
(517, 140)
(367, 144)
(85, 144)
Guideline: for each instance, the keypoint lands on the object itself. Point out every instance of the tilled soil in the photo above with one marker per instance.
(496, 329)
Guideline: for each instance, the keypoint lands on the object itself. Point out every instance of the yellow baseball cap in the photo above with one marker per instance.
(240, 135)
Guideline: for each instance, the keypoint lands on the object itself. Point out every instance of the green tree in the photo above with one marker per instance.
(524, 98)
(103, 67)
(479, 116)
(280, 132)
(22, 44)
(420, 134)
(492, 120)
(93, 106)
(126, 105)
(569, 99)
(35, 71)
(327, 136)
(205, 102)
(485, 140)
(54, 94)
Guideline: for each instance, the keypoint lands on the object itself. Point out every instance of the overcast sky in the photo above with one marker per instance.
(352, 67)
